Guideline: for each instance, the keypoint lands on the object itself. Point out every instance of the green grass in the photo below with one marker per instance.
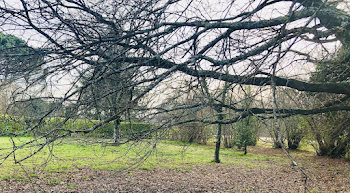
(72, 153)
(306, 146)
(72, 186)
(53, 181)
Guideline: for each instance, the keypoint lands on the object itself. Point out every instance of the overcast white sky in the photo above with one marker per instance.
(211, 10)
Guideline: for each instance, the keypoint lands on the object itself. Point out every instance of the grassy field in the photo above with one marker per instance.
(74, 153)
(88, 165)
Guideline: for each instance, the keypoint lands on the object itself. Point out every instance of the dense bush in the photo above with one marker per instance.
(191, 132)
(246, 133)
(10, 125)
(331, 132)
(228, 136)
(295, 128)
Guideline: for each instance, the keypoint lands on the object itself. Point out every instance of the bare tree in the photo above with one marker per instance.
(242, 42)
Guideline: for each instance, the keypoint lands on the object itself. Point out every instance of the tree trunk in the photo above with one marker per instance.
(220, 119)
(116, 131)
(218, 137)
(277, 139)
(293, 142)
(246, 142)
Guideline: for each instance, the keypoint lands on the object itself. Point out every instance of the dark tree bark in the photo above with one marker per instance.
(116, 131)
(218, 137)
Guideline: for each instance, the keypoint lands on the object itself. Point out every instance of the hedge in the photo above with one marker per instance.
(127, 130)
(10, 125)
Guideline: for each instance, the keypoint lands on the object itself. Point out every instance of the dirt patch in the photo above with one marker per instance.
(325, 175)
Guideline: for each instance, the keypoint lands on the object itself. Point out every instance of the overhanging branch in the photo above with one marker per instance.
(333, 87)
